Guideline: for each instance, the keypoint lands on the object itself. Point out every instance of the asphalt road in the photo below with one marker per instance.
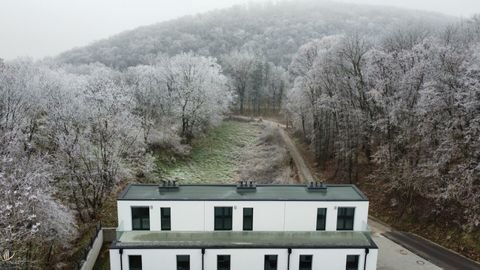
(434, 253)
(392, 256)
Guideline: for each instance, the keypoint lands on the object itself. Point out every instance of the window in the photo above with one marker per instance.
(345, 218)
(352, 262)
(165, 219)
(321, 218)
(183, 262)
(135, 262)
(247, 219)
(223, 262)
(223, 218)
(141, 218)
(305, 262)
(271, 262)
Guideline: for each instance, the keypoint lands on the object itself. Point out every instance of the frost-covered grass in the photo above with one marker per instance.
(268, 161)
(214, 158)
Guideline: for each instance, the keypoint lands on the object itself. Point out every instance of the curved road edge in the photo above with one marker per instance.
(438, 255)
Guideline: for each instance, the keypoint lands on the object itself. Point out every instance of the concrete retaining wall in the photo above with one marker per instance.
(104, 235)
(93, 253)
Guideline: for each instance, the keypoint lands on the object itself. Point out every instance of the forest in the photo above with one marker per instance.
(408, 107)
(69, 134)
(362, 88)
(273, 31)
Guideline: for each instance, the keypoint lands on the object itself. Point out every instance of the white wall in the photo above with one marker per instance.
(333, 259)
(302, 216)
(185, 216)
(243, 259)
(372, 260)
(154, 259)
(267, 216)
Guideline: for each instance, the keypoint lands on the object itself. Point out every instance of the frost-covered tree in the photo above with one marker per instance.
(31, 216)
(95, 131)
(259, 85)
(276, 81)
(275, 31)
(152, 102)
(407, 106)
(323, 78)
(197, 91)
(240, 66)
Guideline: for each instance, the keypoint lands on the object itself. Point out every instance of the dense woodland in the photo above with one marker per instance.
(361, 86)
(69, 134)
(274, 31)
(407, 105)
(254, 44)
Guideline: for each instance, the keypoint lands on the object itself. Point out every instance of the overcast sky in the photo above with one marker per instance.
(41, 28)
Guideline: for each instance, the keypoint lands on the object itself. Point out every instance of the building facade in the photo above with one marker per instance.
(243, 227)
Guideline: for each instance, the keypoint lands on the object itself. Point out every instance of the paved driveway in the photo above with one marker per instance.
(392, 256)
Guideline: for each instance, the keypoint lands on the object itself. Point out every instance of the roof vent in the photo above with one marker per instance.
(246, 186)
(168, 186)
(317, 186)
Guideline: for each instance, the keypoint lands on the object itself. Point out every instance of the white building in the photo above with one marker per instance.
(248, 227)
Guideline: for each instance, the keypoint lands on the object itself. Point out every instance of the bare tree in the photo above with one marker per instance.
(240, 66)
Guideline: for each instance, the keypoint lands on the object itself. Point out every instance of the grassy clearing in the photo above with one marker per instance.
(215, 157)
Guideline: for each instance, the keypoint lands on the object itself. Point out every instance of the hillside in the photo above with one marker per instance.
(273, 30)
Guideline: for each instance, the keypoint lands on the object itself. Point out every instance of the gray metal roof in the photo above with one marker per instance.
(324, 239)
(230, 193)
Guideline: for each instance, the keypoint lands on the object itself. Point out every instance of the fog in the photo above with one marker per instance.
(461, 8)
(46, 28)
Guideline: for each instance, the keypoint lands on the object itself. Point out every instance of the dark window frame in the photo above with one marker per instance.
(271, 262)
(142, 219)
(223, 218)
(183, 264)
(306, 263)
(344, 218)
(321, 219)
(223, 262)
(130, 261)
(166, 218)
(248, 219)
(352, 264)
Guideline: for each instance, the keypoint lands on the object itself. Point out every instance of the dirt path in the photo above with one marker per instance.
(303, 171)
